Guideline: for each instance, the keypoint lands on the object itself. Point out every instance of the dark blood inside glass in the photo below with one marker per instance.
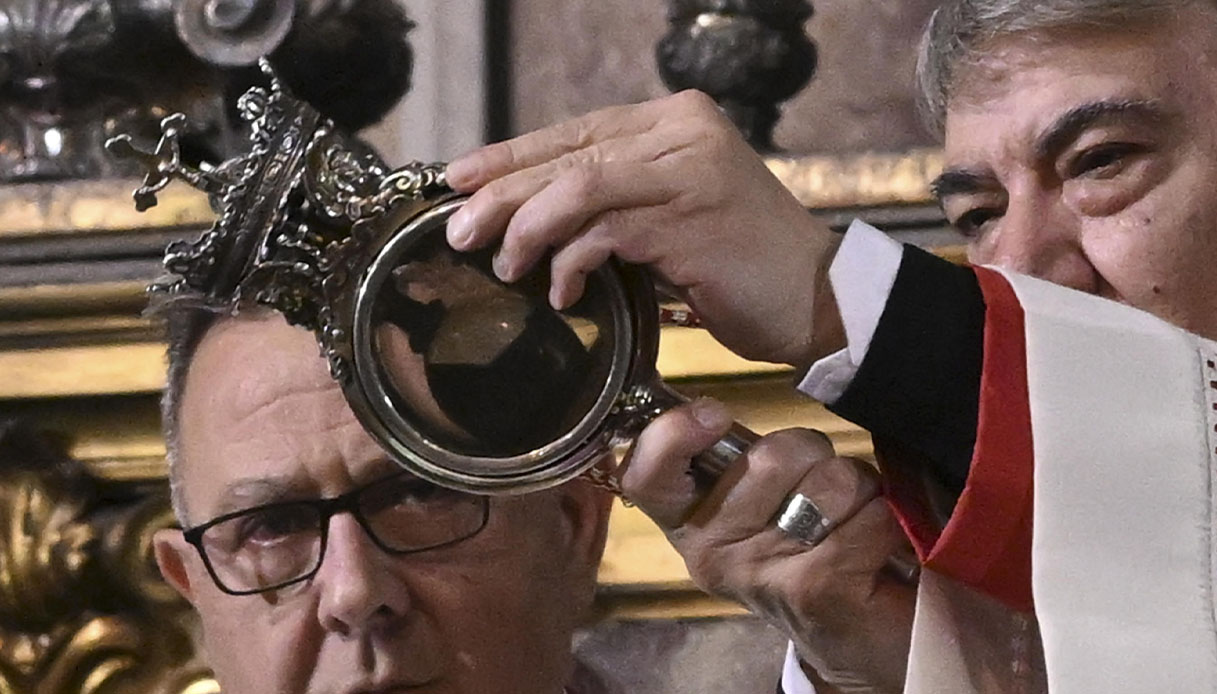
(484, 368)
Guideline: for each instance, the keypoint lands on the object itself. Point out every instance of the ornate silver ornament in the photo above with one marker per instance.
(464, 380)
(76, 72)
(292, 210)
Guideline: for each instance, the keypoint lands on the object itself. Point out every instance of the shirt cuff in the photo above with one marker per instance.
(794, 680)
(862, 275)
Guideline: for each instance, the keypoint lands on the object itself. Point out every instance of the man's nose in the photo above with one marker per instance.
(359, 590)
(1039, 236)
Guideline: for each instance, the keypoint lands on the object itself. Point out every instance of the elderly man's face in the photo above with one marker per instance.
(261, 421)
(1090, 160)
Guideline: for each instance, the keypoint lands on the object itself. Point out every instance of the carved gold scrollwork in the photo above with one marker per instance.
(82, 608)
(43, 553)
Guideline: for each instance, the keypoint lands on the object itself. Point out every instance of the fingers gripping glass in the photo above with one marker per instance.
(466, 381)
(276, 545)
(482, 386)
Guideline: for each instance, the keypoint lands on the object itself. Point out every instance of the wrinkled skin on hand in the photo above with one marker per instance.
(669, 184)
(848, 616)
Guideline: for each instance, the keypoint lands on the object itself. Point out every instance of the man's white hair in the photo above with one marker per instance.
(185, 317)
(185, 322)
(960, 31)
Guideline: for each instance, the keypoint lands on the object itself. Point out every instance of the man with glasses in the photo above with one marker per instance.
(314, 562)
(317, 565)
(272, 546)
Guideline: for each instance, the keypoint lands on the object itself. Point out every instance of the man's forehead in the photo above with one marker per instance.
(1008, 102)
(259, 403)
(244, 364)
(1153, 55)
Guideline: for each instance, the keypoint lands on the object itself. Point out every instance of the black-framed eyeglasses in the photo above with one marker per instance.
(276, 545)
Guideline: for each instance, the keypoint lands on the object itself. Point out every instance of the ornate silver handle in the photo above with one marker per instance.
(648, 402)
(643, 403)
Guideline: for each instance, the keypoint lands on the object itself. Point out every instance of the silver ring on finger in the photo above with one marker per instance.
(803, 520)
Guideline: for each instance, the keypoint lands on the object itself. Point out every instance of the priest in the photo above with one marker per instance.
(1045, 426)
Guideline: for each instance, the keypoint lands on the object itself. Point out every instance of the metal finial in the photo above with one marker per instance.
(162, 164)
(287, 206)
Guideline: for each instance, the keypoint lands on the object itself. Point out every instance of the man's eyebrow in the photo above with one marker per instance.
(961, 182)
(1071, 124)
(244, 493)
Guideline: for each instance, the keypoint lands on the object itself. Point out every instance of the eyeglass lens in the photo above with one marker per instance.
(274, 545)
(483, 368)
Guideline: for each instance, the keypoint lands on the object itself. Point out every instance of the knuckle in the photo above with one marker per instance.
(846, 475)
(869, 479)
(694, 101)
(815, 439)
(713, 126)
(575, 261)
(706, 575)
(582, 260)
(789, 445)
(637, 481)
(715, 135)
(629, 249)
(593, 154)
(564, 264)
(518, 239)
(581, 181)
(503, 153)
(767, 454)
(494, 194)
(647, 474)
(573, 134)
(812, 595)
(717, 577)
(609, 229)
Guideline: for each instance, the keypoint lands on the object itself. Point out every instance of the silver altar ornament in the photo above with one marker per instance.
(464, 380)
(73, 73)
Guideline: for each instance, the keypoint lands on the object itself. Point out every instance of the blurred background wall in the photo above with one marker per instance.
(79, 363)
(496, 68)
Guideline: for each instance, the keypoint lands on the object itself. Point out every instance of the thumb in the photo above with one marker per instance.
(656, 474)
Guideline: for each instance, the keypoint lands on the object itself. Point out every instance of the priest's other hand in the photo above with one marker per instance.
(848, 616)
(669, 184)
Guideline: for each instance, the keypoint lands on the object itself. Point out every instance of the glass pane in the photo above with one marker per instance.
(264, 547)
(406, 513)
(483, 368)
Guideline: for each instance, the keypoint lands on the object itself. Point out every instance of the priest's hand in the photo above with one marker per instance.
(669, 184)
(849, 617)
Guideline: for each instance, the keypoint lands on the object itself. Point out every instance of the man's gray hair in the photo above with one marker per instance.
(185, 321)
(960, 31)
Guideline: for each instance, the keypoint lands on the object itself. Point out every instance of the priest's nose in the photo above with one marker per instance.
(1041, 237)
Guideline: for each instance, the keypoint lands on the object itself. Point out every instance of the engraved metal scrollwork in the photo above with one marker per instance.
(82, 609)
(292, 210)
(637, 407)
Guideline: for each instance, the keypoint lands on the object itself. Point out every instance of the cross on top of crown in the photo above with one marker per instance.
(163, 164)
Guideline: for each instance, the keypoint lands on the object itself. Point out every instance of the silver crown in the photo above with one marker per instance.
(289, 209)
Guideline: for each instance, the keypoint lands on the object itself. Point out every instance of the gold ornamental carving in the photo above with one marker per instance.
(82, 608)
(860, 180)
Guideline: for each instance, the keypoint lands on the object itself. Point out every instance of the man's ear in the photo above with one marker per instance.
(172, 554)
(587, 508)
